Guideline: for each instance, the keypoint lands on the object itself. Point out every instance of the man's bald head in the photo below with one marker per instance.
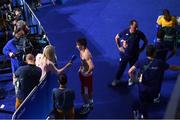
(30, 59)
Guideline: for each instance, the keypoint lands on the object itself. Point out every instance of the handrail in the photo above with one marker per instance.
(29, 97)
(30, 94)
(39, 24)
(27, 7)
(38, 104)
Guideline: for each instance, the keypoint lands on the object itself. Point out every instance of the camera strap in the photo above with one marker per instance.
(145, 67)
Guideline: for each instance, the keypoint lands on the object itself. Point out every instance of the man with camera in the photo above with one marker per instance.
(18, 46)
(153, 70)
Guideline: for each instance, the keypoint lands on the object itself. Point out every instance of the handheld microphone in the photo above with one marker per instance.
(73, 58)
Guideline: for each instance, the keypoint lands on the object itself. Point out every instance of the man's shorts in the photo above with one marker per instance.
(86, 84)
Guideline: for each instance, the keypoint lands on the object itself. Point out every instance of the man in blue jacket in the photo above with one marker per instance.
(17, 46)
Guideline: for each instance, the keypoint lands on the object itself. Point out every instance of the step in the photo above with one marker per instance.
(5, 70)
(6, 77)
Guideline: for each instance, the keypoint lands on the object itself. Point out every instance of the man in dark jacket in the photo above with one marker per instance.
(27, 77)
(152, 70)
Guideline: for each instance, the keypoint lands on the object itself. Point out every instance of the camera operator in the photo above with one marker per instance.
(18, 46)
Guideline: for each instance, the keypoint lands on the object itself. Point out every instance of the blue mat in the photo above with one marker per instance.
(99, 21)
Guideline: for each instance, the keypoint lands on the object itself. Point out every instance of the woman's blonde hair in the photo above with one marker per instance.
(49, 53)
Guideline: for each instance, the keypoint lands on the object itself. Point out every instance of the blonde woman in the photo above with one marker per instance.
(46, 61)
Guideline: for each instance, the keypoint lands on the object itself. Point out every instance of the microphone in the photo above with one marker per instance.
(73, 58)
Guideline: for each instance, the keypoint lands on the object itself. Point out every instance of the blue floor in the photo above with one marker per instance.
(99, 21)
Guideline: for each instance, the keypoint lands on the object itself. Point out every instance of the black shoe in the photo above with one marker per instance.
(91, 105)
(84, 110)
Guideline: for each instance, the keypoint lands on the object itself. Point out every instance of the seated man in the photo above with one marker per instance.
(27, 77)
(63, 100)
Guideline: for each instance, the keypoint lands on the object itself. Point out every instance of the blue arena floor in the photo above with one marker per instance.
(99, 21)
